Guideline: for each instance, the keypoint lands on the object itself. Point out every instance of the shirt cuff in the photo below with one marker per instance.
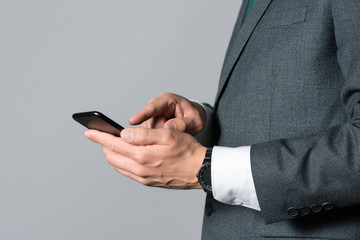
(231, 177)
(206, 136)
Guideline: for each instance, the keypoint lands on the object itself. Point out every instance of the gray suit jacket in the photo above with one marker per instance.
(290, 87)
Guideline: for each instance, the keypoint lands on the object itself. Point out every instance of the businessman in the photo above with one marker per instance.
(285, 162)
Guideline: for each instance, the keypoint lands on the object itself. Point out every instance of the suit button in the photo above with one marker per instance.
(327, 206)
(208, 209)
(293, 212)
(305, 211)
(315, 208)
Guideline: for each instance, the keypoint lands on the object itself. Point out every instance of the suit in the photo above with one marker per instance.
(290, 88)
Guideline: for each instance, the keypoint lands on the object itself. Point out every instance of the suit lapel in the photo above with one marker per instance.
(241, 35)
(237, 26)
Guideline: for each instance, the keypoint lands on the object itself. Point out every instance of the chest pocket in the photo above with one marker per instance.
(283, 17)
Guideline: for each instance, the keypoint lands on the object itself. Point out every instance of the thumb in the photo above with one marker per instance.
(142, 136)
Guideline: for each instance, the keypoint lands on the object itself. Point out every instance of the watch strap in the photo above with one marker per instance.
(208, 154)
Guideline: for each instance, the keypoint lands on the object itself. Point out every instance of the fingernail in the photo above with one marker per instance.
(87, 134)
(127, 134)
(130, 120)
(171, 126)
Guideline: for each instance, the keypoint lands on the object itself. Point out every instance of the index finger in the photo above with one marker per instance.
(138, 153)
(155, 107)
(111, 142)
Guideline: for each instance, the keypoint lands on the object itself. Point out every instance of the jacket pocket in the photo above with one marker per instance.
(285, 17)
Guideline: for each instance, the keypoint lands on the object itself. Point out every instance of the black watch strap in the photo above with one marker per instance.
(208, 154)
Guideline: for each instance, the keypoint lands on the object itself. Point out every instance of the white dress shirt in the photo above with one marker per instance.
(231, 176)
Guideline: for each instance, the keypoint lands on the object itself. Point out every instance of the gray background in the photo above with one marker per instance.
(60, 57)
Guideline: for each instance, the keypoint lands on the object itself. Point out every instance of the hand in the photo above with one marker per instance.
(169, 110)
(154, 157)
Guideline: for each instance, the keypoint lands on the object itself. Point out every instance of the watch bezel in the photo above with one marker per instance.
(206, 186)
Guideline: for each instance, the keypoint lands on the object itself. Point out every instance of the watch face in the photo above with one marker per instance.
(205, 176)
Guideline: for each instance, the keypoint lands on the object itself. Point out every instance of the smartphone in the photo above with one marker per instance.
(98, 121)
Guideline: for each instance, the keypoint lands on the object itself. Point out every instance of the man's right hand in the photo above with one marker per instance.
(169, 110)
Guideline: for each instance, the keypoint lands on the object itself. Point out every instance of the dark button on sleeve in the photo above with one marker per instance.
(305, 211)
(327, 206)
(293, 212)
(315, 208)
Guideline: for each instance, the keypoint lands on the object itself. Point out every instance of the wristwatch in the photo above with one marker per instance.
(204, 174)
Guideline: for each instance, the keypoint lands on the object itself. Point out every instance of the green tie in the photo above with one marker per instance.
(251, 3)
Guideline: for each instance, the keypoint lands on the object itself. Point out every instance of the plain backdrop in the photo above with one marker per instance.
(58, 57)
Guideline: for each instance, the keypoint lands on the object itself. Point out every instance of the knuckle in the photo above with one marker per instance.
(150, 108)
(151, 100)
(164, 94)
(110, 160)
(141, 172)
(144, 182)
(110, 145)
(141, 158)
(168, 135)
(167, 96)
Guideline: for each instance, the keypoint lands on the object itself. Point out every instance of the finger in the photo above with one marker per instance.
(133, 176)
(122, 162)
(146, 136)
(156, 122)
(148, 123)
(143, 155)
(111, 142)
(159, 122)
(154, 108)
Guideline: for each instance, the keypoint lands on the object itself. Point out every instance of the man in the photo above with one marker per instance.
(286, 161)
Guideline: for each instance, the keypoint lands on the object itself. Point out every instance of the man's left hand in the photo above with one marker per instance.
(154, 157)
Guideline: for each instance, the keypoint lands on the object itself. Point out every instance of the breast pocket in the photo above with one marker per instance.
(285, 17)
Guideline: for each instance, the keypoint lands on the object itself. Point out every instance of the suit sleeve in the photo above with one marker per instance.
(309, 175)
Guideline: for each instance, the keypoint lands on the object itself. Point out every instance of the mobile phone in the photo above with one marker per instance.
(98, 121)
